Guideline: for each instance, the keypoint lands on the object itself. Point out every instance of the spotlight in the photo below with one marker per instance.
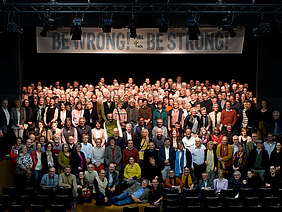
(262, 29)
(107, 24)
(132, 27)
(193, 28)
(76, 28)
(227, 25)
(47, 26)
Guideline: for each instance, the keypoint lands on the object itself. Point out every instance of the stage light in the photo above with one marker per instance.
(227, 25)
(107, 25)
(163, 23)
(132, 26)
(193, 27)
(47, 25)
(262, 29)
(76, 31)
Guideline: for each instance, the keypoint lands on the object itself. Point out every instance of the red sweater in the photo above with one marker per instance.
(127, 153)
(228, 117)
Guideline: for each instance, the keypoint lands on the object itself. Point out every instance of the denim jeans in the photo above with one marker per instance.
(122, 199)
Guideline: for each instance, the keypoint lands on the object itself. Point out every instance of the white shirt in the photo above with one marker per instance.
(189, 143)
(166, 153)
(129, 137)
(7, 114)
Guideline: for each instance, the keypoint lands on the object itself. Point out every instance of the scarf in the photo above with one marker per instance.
(224, 152)
(210, 159)
(238, 158)
(180, 163)
(187, 181)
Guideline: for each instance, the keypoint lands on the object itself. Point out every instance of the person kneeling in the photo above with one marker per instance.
(100, 189)
(136, 193)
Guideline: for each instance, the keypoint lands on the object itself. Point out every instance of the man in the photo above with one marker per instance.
(175, 115)
(132, 114)
(98, 156)
(57, 148)
(160, 125)
(100, 189)
(86, 148)
(172, 181)
(258, 160)
(4, 124)
(189, 179)
(68, 180)
(159, 139)
(83, 129)
(142, 126)
(269, 145)
(205, 120)
(39, 110)
(145, 112)
(166, 158)
(228, 116)
(272, 180)
(251, 145)
(156, 193)
(128, 152)
(113, 155)
(236, 183)
(205, 183)
(189, 139)
(135, 194)
(107, 107)
(207, 103)
(150, 152)
(113, 179)
(90, 174)
(159, 113)
(198, 158)
(67, 131)
(110, 124)
(128, 134)
(50, 180)
(276, 124)
(215, 116)
(51, 113)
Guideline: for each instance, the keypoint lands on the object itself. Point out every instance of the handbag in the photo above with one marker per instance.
(86, 193)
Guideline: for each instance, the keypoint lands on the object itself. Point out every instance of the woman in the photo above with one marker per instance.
(97, 132)
(120, 114)
(224, 156)
(36, 156)
(132, 172)
(244, 138)
(14, 154)
(77, 113)
(239, 160)
(83, 191)
(276, 157)
(40, 130)
(183, 158)
(18, 118)
(90, 114)
(152, 171)
(63, 114)
(216, 136)
(220, 183)
(24, 163)
(144, 143)
(63, 158)
(52, 132)
(252, 181)
(264, 118)
(204, 135)
(175, 138)
(77, 160)
(49, 158)
(211, 160)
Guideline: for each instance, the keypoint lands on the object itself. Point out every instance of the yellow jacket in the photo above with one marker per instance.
(135, 171)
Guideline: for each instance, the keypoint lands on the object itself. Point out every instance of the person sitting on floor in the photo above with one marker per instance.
(156, 193)
(100, 189)
(137, 193)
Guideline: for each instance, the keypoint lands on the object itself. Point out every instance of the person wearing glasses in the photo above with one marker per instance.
(50, 180)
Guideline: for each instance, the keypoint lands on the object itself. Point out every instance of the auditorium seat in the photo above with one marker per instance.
(276, 208)
(213, 208)
(269, 201)
(41, 199)
(57, 208)
(171, 202)
(131, 209)
(191, 208)
(191, 192)
(151, 209)
(233, 208)
(171, 196)
(5, 200)
(208, 193)
(211, 201)
(265, 192)
(171, 191)
(175, 208)
(250, 201)
(24, 200)
(63, 199)
(36, 208)
(27, 191)
(255, 208)
(246, 192)
(192, 201)
(230, 201)
(227, 193)
(16, 208)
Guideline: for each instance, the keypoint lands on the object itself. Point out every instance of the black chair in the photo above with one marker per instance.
(265, 192)
(171, 202)
(250, 201)
(42, 199)
(57, 208)
(192, 208)
(191, 192)
(151, 209)
(36, 208)
(171, 196)
(16, 208)
(269, 201)
(63, 199)
(233, 208)
(5, 200)
(24, 200)
(27, 191)
(208, 193)
(246, 192)
(191, 201)
(255, 208)
(11, 191)
(171, 208)
(131, 209)
(276, 208)
(211, 201)
(171, 191)
(227, 193)
(230, 201)
(213, 208)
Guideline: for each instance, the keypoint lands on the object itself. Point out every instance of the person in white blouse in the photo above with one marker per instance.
(98, 132)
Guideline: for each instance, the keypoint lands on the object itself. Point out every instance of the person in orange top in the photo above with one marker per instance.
(224, 156)
(172, 181)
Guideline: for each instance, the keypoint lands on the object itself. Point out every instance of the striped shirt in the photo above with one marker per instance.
(49, 182)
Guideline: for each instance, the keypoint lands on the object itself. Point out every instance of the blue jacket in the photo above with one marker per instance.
(162, 158)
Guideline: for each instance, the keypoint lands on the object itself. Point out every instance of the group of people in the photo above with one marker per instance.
(123, 143)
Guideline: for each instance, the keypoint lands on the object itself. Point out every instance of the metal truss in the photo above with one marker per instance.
(142, 8)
